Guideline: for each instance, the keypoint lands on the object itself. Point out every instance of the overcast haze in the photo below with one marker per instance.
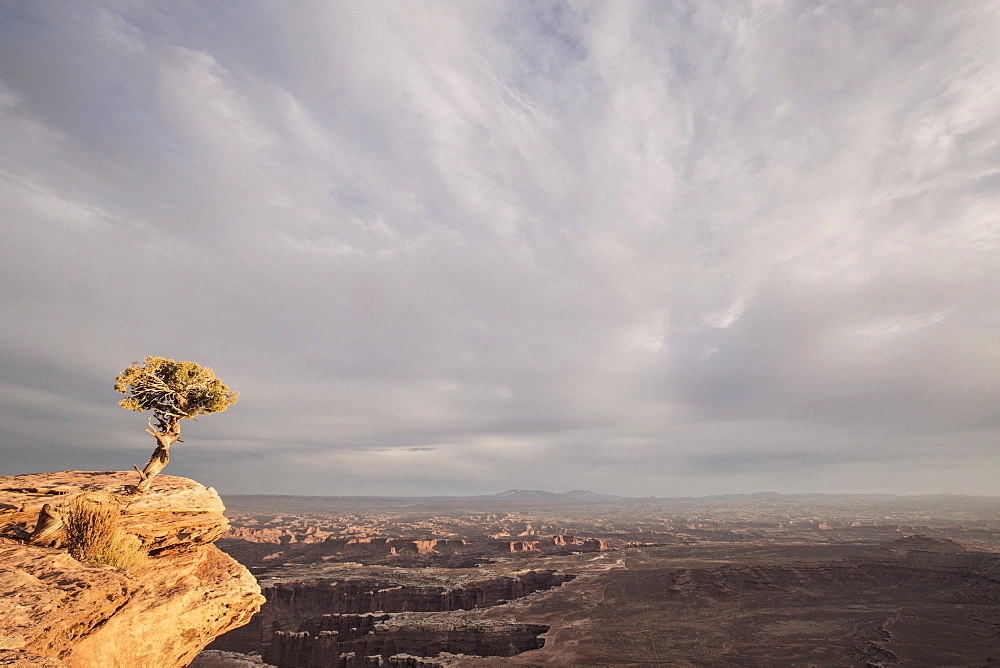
(666, 248)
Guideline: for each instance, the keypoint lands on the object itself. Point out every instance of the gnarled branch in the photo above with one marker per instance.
(48, 529)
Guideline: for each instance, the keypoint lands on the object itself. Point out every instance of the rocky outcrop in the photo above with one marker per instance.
(266, 536)
(432, 546)
(87, 615)
(177, 511)
(597, 545)
(277, 536)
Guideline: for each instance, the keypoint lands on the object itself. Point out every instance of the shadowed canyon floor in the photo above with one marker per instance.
(522, 580)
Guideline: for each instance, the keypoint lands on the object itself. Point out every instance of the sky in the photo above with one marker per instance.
(448, 248)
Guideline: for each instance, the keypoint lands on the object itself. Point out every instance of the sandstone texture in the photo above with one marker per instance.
(86, 615)
(15, 658)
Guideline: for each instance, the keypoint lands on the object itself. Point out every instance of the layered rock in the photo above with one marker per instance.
(424, 636)
(213, 658)
(176, 511)
(86, 615)
(321, 622)
(359, 596)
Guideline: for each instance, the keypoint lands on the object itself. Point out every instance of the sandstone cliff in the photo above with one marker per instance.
(91, 616)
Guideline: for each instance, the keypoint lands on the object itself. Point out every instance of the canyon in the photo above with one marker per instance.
(523, 578)
(376, 611)
(536, 579)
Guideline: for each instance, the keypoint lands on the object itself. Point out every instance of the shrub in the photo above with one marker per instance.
(93, 535)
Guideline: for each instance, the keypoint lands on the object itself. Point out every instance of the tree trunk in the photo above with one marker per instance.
(165, 437)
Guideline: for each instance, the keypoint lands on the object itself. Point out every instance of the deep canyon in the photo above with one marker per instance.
(517, 579)
(764, 579)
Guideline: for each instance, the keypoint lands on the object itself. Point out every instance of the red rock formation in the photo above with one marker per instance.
(524, 546)
(313, 535)
(95, 616)
(271, 536)
(432, 546)
(358, 545)
(597, 545)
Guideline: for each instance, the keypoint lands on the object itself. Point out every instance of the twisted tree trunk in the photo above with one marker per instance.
(166, 433)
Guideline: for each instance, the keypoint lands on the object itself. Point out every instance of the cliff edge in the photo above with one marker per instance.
(89, 616)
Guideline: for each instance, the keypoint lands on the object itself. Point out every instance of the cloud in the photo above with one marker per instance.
(449, 247)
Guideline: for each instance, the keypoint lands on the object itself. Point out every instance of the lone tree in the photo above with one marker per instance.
(173, 391)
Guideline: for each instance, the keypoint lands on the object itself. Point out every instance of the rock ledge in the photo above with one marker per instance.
(87, 616)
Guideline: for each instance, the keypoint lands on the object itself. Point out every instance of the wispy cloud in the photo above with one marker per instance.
(443, 247)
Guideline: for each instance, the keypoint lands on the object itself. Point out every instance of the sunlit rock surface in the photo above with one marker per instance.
(95, 616)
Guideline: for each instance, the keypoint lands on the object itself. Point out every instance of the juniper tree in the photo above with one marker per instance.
(173, 391)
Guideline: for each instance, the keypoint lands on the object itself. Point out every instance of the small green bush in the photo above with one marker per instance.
(93, 535)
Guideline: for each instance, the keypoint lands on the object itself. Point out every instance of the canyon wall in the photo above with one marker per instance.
(394, 637)
(365, 596)
(95, 616)
(346, 622)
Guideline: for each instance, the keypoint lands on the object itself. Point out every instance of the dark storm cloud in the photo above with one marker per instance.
(645, 248)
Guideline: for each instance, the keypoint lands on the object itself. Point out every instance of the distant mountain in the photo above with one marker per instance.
(519, 494)
(587, 494)
(541, 495)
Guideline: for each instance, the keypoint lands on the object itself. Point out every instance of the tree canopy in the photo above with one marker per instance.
(173, 390)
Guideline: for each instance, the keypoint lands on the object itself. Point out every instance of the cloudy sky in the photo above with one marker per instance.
(664, 248)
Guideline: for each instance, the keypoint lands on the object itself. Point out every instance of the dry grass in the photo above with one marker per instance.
(93, 535)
